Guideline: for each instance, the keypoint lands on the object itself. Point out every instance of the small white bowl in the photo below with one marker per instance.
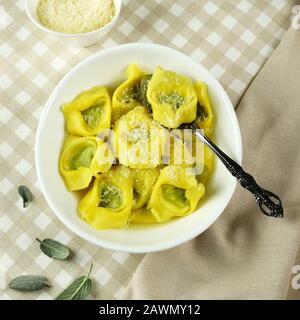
(78, 40)
(107, 68)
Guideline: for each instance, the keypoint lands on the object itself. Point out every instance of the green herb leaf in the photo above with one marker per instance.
(54, 249)
(29, 283)
(79, 289)
(25, 194)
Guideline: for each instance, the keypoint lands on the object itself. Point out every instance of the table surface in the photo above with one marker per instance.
(232, 39)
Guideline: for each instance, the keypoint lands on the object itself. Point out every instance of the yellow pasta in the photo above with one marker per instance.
(141, 171)
(205, 115)
(142, 216)
(179, 149)
(139, 139)
(127, 95)
(81, 159)
(143, 182)
(175, 194)
(172, 97)
(108, 203)
(208, 165)
(89, 112)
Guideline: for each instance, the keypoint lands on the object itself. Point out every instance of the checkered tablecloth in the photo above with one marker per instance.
(232, 38)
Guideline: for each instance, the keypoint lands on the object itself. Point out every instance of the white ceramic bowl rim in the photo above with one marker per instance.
(182, 238)
(118, 5)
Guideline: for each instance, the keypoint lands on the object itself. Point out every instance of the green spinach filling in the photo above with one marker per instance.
(144, 84)
(136, 195)
(110, 196)
(173, 99)
(175, 195)
(82, 158)
(201, 112)
(92, 115)
(131, 94)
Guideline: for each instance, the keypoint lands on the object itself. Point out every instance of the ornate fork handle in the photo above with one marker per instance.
(269, 203)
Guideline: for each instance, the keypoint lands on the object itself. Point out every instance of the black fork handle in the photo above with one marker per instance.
(269, 203)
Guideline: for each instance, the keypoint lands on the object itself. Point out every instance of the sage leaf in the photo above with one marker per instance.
(29, 283)
(79, 289)
(54, 249)
(25, 194)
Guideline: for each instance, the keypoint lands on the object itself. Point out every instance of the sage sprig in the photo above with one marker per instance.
(79, 289)
(54, 249)
(25, 194)
(29, 283)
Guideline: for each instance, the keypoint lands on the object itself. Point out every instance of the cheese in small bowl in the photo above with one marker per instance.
(75, 16)
(76, 23)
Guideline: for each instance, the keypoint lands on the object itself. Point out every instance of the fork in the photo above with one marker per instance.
(268, 202)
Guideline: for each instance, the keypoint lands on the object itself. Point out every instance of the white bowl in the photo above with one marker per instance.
(107, 68)
(78, 40)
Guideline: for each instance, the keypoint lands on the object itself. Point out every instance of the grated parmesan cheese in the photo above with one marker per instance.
(75, 16)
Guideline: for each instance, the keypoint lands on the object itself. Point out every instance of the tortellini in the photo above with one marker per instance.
(205, 115)
(142, 216)
(204, 161)
(89, 112)
(175, 194)
(81, 159)
(172, 97)
(144, 84)
(178, 151)
(143, 182)
(127, 95)
(108, 203)
(139, 139)
(139, 171)
(208, 166)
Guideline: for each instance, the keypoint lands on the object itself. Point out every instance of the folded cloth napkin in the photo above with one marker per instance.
(246, 255)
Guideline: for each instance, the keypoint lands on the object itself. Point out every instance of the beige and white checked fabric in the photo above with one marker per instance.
(232, 38)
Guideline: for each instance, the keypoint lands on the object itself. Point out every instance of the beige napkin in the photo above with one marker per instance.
(246, 255)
